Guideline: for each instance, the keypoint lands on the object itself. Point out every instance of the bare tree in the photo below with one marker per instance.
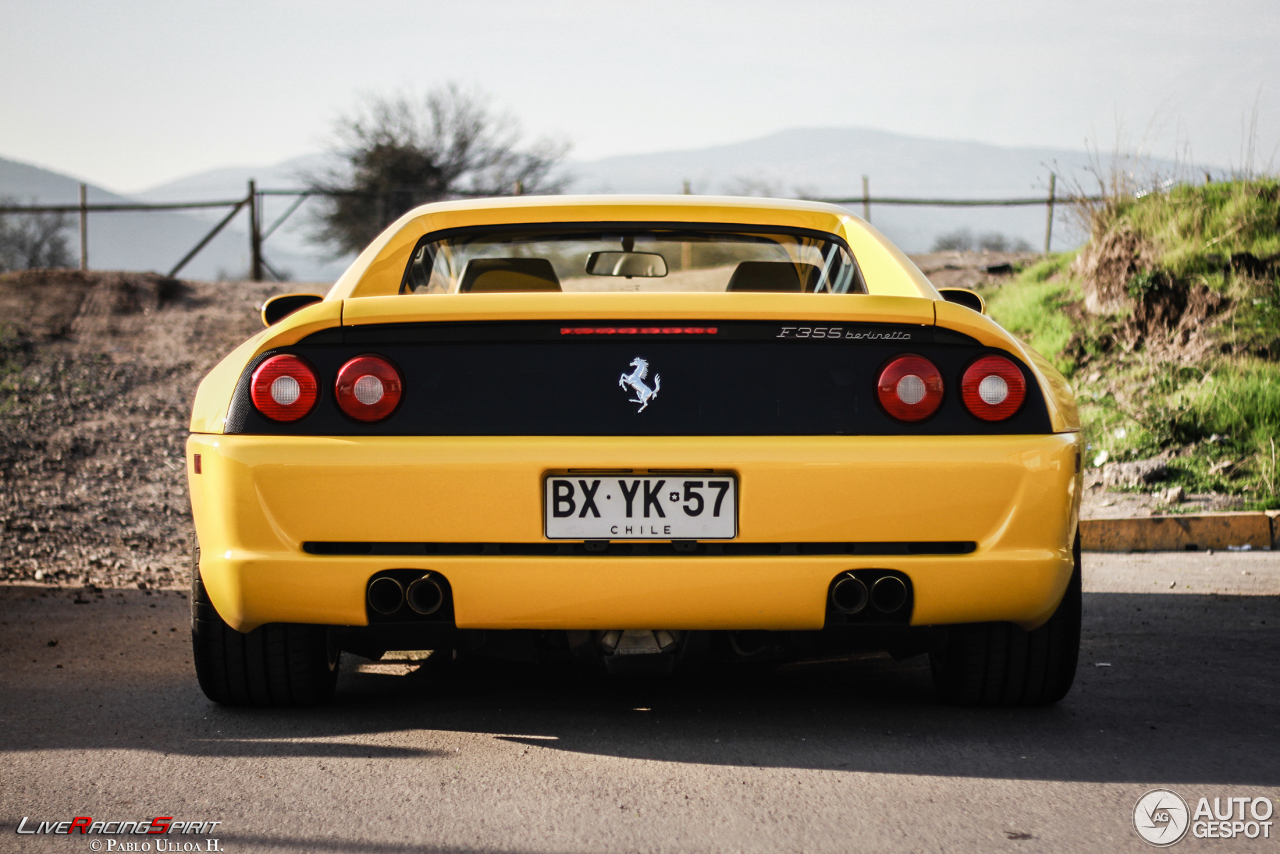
(32, 240)
(401, 151)
(962, 240)
(994, 241)
(748, 186)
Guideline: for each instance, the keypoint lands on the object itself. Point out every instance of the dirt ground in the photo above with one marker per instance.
(1098, 502)
(97, 374)
(969, 269)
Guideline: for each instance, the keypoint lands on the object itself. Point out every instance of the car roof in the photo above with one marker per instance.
(589, 203)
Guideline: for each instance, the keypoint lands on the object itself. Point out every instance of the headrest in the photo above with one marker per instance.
(774, 276)
(508, 275)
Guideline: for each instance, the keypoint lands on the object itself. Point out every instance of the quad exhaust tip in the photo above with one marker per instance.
(386, 595)
(424, 595)
(850, 594)
(888, 594)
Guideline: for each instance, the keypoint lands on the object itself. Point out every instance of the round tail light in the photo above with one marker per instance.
(910, 388)
(993, 388)
(369, 388)
(284, 388)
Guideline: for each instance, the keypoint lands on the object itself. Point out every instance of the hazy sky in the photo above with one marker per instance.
(129, 94)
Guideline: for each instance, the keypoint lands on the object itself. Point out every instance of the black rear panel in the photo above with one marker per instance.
(714, 379)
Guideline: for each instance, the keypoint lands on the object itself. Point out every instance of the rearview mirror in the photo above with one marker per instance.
(964, 297)
(649, 265)
(278, 308)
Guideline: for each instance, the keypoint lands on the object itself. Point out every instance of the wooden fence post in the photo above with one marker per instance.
(255, 238)
(866, 198)
(204, 241)
(1048, 225)
(84, 227)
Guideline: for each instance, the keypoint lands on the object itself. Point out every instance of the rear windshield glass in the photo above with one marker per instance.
(626, 258)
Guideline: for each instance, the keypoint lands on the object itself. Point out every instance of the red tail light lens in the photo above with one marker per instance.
(284, 388)
(369, 388)
(910, 388)
(993, 388)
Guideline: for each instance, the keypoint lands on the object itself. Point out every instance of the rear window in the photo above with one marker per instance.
(637, 258)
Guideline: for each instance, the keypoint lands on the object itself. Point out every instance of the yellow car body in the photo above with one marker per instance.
(257, 499)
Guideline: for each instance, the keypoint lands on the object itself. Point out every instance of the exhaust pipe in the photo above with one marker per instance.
(385, 595)
(888, 594)
(424, 595)
(849, 594)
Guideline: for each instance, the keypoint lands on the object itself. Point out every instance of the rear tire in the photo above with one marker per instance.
(999, 664)
(279, 664)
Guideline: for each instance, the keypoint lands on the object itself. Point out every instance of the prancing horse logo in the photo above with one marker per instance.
(636, 378)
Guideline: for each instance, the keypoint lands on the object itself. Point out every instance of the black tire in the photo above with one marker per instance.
(999, 664)
(279, 664)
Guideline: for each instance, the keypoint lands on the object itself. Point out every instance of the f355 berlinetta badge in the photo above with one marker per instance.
(636, 379)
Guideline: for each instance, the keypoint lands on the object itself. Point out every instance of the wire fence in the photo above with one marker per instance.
(254, 196)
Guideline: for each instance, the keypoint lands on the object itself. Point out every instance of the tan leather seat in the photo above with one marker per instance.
(774, 276)
(508, 275)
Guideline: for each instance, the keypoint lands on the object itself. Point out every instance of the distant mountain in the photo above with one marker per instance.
(233, 181)
(830, 162)
(157, 240)
(26, 183)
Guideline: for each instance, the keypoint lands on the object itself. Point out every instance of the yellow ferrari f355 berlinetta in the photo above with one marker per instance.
(641, 433)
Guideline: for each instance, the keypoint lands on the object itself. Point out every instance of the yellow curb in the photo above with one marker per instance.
(1178, 533)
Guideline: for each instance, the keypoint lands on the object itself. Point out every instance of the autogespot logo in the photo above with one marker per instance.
(1161, 818)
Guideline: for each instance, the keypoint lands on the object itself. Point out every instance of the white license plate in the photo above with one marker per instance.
(652, 507)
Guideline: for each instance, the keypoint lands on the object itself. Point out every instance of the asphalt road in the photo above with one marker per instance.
(109, 723)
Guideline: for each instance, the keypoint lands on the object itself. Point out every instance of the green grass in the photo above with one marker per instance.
(1223, 424)
(1237, 401)
(1033, 308)
(1197, 229)
(1056, 264)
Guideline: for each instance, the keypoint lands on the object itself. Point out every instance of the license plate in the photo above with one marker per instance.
(653, 507)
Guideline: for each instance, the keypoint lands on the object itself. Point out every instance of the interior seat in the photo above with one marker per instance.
(508, 275)
(774, 276)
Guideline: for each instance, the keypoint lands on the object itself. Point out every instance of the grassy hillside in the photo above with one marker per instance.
(1167, 323)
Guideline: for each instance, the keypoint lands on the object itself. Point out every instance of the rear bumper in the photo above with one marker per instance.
(258, 499)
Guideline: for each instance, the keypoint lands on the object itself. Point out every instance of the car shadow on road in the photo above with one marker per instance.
(1171, 688)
